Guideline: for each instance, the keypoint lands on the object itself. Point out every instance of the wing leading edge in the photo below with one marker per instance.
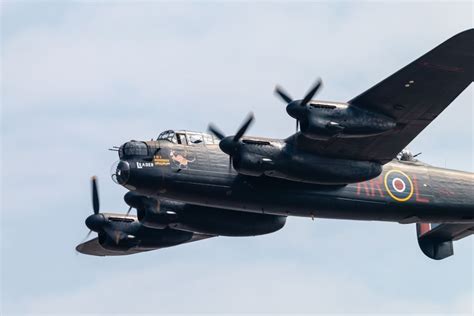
(414, 96)
(92, 247)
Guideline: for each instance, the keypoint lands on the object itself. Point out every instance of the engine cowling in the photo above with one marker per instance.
(120, 243)
(251, 164)
(224, 222)
(310, 168)
(151, 239)
(307, 167)
(159, 218)
(324, 121)
(207, 220)
(320, 129)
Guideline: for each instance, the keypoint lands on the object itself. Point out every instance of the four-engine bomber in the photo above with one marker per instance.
(341, 164)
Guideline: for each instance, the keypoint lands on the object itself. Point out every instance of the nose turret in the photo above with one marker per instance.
(133, 149)
(120, 172)
(123, 172)
(130, 150)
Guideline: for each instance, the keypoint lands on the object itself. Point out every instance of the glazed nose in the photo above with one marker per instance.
(122, 173)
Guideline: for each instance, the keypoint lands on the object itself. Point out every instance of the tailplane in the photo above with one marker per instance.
(436, 240)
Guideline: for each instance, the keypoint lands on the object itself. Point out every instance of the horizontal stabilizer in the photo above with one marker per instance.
(436, 240)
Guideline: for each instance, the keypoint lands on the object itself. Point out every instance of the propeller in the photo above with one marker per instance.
(95, 196)
(79, 247)
(95, 209)
(216, 131)
(95, 203)
(100, 223)
(295, 108)
(312, 92)
(279, 90)
(230, 144)
(243, 128)
(97, 221)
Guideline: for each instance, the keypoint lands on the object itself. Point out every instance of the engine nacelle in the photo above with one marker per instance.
(159, 218)
(207, 220)
(307, 167)
(323, 121)
(320, 129)
(251, 164)
(120, 243)
(154, 238)
(304, 167)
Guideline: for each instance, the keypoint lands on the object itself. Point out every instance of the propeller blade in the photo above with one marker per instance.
(216, 131)
(87, 236)
(128, 212)
(95, 196)
(282, 94)
(312, 92)
(244, 127)
(79, 247)
(297, 125)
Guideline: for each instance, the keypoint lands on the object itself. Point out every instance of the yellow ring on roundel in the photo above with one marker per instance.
(390, 192)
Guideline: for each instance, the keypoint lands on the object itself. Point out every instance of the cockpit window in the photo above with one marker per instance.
(195, 139)
(181, 139)
(167, 135)
(208, 139)
(187, 138)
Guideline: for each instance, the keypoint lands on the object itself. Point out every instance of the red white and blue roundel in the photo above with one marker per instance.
(399, 186)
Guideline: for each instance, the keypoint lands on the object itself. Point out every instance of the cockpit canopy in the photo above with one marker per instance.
(188, 138)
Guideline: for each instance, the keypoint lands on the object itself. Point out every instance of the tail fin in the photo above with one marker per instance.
(436, 240)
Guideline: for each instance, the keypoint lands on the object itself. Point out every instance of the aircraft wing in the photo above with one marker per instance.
(413, 96)
(92, 247)
(436, 240)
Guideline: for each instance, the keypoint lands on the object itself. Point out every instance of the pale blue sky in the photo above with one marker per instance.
(81, 77)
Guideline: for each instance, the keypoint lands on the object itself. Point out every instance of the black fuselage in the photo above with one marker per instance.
(405, 191)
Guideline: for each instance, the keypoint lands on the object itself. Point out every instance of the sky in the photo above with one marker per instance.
(80, 77)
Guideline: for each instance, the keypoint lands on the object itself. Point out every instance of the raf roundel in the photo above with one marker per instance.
(399, 185)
